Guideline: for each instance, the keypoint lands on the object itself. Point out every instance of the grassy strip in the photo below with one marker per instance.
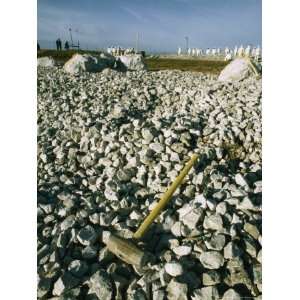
(194, 65)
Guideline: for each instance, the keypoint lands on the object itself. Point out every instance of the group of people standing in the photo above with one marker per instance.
(117, 50)
(59, 45)
(249, 51)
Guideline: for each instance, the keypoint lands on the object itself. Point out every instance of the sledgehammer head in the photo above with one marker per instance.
(126, 250)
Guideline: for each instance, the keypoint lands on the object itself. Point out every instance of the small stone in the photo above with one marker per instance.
(173, 268)
(137, 294)
(213, 222)
(216, 242)
(182, 250)
(201, 200)
(258, 187)
(68, 222)
(87, 235)
(44, 286)
(159, 295)
(156, 147)
(247, 204)
(78, 268)
(125, 175)
(259, 256)
(250, 246)
(147, 135)
(177, 290)
(257, 274)
(63, 283)
(211, 277)
(231, 294)
(252, 230)
(221, 208)
(191, 218)
(105, 256)
(206, 293)
(240, 180)
(231, 250)
(94, 218)
(101, 285)
(237, 274)
(211, 260)
(176, 229)
(89, 252)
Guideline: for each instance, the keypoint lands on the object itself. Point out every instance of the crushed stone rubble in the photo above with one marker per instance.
(109, 144)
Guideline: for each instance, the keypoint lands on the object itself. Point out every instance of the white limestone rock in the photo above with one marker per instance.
(79, 63)
(212, 260)
(133, 62)
(182, 250)
(45, 62)
(236, 70)
(174, 269)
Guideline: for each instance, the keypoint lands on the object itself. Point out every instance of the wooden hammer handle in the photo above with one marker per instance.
(164, 199)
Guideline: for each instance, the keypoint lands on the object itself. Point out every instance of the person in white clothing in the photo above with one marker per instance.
(235, 51)
(241, 51)
(248, 51)
(257, 53)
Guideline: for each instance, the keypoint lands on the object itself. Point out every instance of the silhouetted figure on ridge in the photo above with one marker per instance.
(67, 47)
(58, 44)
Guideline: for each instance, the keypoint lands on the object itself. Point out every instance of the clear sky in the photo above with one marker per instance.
(161, 24)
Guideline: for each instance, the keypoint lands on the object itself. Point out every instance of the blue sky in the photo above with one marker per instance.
(161, 24)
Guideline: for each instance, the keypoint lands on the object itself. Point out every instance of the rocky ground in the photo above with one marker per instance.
(109, 144)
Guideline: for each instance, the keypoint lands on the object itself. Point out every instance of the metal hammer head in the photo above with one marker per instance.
(126, 250)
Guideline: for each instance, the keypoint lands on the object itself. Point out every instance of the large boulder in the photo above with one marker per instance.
(87, 63)
(237, 70)
(45, 62)
(133, 62)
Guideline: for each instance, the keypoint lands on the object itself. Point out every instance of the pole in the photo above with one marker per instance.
(164, 199)
(187, 43)
(70, 30)
(137, 42)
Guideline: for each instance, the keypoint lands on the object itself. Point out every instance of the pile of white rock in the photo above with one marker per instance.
(109, 144)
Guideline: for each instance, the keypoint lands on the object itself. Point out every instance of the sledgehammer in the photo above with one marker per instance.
(127, 250)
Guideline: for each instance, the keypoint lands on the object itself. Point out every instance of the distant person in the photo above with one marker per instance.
(38, 47)
(67, 47)
(248, 51)
(257, 53)
(241, 51)
(235, 51)
(58, 44)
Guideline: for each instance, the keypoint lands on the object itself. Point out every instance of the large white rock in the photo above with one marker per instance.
(88, 63)
(133, 62)
(46, 62)
(237, 70)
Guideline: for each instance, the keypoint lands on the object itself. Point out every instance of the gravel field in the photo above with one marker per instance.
(109, 144)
